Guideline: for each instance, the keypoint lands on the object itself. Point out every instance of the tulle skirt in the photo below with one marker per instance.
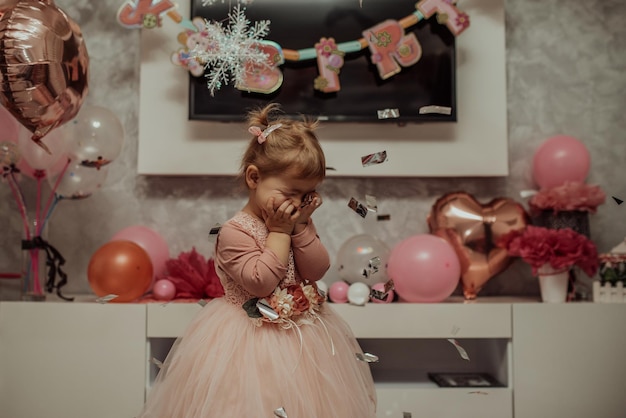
(225, 366)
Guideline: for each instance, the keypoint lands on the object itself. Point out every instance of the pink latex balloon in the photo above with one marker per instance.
(39, 158)
(338, 292)
(560, 159)
(424, 268)
(9, 126)
(150, 241)
(380, 286)
(164, 290)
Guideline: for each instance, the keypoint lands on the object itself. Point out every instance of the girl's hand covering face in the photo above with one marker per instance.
(283, 218)
(310, 202)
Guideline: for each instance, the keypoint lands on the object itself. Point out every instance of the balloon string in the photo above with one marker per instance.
(52, 196)
(55, 201)
(19, 199)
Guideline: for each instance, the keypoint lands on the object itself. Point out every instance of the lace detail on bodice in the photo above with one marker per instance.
(234, 293)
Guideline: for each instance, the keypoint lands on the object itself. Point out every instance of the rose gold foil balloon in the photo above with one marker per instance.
(473, 230)
(6, 5)
(43, 66)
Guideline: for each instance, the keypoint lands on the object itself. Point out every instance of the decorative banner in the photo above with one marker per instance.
(329, 63)
(447, 14)
(390, 46)
(146, 13)
(235, 49)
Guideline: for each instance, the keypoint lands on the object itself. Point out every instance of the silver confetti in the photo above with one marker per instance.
(460, 349)
(367, 357)
(106, 299)
(359, 208)
(280, 412)
(388, 114)
(375, 158)
(370, 202)
(156, 362)
(382, 295)
(406, 415)
(266, 310)
(202, 302)
(213, 232)
(442, 110)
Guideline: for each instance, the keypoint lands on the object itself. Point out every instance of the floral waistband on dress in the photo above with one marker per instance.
(287, 306)
(290, 307)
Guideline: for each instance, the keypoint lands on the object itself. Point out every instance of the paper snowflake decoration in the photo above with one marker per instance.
(233, 50)
(212, 2)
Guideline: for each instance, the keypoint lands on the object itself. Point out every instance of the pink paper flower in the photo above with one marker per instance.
(193, 276)
(559, 248)
(571, 196)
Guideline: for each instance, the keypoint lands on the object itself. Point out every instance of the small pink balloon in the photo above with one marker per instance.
(560, 159)
(424, 268)
(381, 288)
(151, 241)
(164, 290)
(338, 292)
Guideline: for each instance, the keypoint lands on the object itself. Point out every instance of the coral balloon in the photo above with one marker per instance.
(560, 159)
(164, 290)
(150, 241)
(43, 66)
(363, 258)
(120, 268)
(473, 229)
(338, 292)
(424, 268)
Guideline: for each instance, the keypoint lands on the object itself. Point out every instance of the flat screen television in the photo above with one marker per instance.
(363, 93)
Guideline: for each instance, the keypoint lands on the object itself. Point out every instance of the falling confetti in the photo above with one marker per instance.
(367, 357)
(460, 349)
(106, 299)
(359, 208)
(617, 200)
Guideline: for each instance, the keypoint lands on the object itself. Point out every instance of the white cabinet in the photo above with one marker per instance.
(76, 360)
(410, 341)
(568, 360)
(71, 360)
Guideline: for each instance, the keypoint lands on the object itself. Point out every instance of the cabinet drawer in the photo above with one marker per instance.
(424, 320)
(169, 320)
(395, 399)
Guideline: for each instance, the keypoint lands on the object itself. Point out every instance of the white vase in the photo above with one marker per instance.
(553, 287)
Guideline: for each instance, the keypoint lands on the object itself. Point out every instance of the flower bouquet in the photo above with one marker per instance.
(550, 251)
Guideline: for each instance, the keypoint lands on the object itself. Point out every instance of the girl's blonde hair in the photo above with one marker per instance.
(292, 147)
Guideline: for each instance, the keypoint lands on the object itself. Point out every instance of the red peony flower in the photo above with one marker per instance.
(560, 249)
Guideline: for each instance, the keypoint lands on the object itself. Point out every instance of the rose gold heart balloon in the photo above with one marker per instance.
(473, 230)
(43, 66)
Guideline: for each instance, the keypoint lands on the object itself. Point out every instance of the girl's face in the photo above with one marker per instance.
(280, 187)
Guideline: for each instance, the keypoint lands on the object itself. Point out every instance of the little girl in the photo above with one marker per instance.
(270, 347)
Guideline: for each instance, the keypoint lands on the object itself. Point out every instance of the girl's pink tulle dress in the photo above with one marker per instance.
(228, 364)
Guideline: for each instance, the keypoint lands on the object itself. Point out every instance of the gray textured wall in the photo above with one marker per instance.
(565, 71)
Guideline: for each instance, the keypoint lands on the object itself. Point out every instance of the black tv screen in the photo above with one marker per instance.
(363, 94)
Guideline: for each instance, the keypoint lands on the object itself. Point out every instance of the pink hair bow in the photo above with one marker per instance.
(262, 135)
